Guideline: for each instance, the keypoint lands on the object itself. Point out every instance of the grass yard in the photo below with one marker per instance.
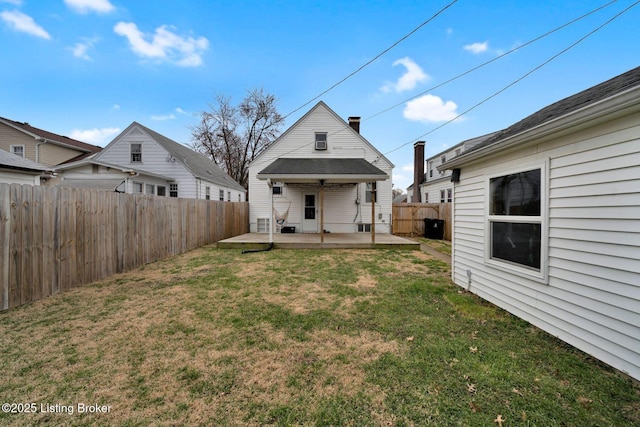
(315, 338)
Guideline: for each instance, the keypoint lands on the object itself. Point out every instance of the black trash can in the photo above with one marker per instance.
(434, 228)
(288, 229)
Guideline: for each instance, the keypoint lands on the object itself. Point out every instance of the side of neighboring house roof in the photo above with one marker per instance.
(53, 138)
(201, 166)
(12, 161)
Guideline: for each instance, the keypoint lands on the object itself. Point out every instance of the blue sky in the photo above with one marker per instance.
(88, 68)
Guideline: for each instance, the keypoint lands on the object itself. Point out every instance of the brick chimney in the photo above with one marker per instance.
(418, 170)
(354, 122)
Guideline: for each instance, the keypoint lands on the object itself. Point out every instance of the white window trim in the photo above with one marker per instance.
(326, 141)
(541, 275)
(24, 150)
(131, 153)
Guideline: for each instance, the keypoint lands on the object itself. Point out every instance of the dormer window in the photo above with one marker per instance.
(321, 141)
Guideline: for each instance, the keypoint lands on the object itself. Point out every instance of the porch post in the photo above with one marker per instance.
(373, 212)
(322, 211)
(270, 186)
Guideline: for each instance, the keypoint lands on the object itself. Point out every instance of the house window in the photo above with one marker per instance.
(368, 193)
(207, 193)
(229, 196)
(173, 190)
(137, 187)
(221, 196)
(321, 141)
(18, 150)
(449, 193)
(162, 190)
(441, 196)
(443, 159)
(136, 153)
(277, 189)
(364, 228)
(426, 197)
(150, 189)
(515, 219)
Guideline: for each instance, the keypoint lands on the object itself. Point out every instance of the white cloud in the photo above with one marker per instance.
(408, 167)
(94, 136)
(408, 80)
(181, 111)
(477, 47)
(449, 31)
(164, 45)
(115, 106)
(163, 118)
(80, 49)
(431, 109)
(86, 6)
(24, 23)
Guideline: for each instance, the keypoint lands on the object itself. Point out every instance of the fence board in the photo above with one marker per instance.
(54, 239)
(408, 218)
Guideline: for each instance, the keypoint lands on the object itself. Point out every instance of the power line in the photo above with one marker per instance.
(488, 62)
(520, 78)
(374, 59)
(491, 60)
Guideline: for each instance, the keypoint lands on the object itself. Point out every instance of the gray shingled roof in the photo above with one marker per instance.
(13, 161)
(322, 167)
(201, 166)
(567, 105)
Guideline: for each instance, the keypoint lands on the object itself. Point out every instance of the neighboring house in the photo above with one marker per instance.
(140, 160)
(547, 220)
(318, 175)
(41, 146)
(436, 185)
(18, 170)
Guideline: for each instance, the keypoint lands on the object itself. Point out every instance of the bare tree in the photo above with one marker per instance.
(234, 135)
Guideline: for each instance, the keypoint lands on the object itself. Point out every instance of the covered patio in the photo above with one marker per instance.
(251, 241)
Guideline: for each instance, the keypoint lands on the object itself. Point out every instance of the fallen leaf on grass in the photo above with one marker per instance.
(473, 349)
(474, 407)
(409, 338)
(471, 388)
(518, 392)
(584, 401)
(499, 420)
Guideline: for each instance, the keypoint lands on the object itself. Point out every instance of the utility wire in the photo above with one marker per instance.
(487, 62)
(491, 60)
(520, 78)
(374, 59)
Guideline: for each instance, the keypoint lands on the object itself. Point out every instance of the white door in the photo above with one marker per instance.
(310, 213)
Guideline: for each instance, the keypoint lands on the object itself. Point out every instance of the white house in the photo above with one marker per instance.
(140, 160)
(547, 220)
(435, 185)
(16, 169)
(318, 176)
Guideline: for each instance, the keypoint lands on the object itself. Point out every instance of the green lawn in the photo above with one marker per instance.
(318, 338)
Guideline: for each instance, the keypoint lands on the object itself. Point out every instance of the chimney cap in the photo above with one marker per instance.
(354, 119)
(418, 143)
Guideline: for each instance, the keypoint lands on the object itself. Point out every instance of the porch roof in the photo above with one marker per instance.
(330, 170)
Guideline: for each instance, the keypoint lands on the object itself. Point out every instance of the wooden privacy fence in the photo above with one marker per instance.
(408, 218)
(54, 239)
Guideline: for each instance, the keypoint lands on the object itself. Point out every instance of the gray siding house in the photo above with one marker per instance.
(546, 220)
(140, 160)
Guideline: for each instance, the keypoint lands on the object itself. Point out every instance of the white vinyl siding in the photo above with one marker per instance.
(592, 296)
(340, 203)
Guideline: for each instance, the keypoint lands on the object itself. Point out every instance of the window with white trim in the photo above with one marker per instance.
(173, 190)
(221, 195)
(162, 190)
(441, 196)
(515, 220)
(137, 187)
(18, 150)
(150, 189)
(321, 140)
(449, 195)
(136, 153)
(207, 193)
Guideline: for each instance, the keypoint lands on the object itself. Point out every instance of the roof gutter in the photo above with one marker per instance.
(591, 115)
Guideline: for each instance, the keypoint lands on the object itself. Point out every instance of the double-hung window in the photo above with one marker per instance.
(136, 153)
(321, 140)
(516, 220)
